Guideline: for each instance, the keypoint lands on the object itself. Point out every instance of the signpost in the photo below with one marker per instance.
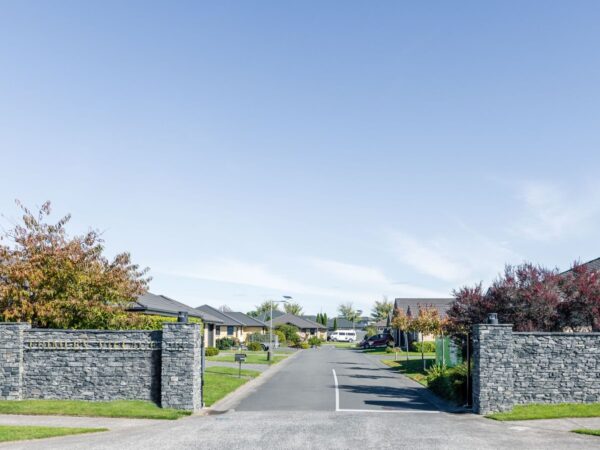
(240, 358)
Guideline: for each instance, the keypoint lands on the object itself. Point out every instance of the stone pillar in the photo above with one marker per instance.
(492, 368)
(12, 335)
(181, 379)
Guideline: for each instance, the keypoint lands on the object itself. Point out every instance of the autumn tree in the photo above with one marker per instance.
(53, 280)
(427, 322)
(382, 309)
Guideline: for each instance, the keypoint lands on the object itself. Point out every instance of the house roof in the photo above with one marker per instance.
(224, 318)
(296, 321)
(442, 304)
(594, 264)
(345, 323)
(245, 319)
(264, 317)
(150, 303)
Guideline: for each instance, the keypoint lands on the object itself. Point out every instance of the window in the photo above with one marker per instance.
(218, 330)
(229, 330)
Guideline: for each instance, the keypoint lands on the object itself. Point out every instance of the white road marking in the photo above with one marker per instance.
(337, 404)
(337, 391)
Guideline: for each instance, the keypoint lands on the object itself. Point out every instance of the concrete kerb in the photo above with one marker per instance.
(231, 400)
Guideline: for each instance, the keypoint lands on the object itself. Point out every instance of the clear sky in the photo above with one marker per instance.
(331, 151)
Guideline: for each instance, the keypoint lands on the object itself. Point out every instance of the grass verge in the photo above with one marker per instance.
(587, 431)
(220, 381)
(252, 358)
(21, 433)
(381, 351)
(548, 411)
(413, 368)
(135, 409)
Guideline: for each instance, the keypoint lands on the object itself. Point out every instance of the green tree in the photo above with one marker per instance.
(335, 325)
(293, 308)
(348, 312)
(382, 309)
(53, 280)
(264, 308)
(370, 331)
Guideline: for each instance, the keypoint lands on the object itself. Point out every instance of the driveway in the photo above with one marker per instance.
(301, 406)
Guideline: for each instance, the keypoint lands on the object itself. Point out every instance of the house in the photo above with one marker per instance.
(410, 306)
(235, 325)
(344, 324)
(161, 305)
(306, 327)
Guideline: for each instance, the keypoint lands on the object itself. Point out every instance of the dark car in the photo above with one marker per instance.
(379, 340)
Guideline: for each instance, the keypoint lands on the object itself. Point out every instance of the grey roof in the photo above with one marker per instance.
(442, 304)
(224, 318)
(150, 303)
(264, 317)
(345, 323)
(594, 264)
(296, 321)
(245, 319)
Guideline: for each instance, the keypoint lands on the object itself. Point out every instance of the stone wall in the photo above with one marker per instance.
(518, 368)
(102, 365)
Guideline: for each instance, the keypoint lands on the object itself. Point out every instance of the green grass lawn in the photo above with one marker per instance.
(549, 411)
(587, 431)
(20, 433)
(413, 368)
(381, 351)
(220, 381)
(135, 409)
(341, 344)
(252, 358)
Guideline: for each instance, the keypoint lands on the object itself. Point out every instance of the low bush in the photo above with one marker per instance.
(389, 350)
(226, 343)
(428, 346)
(211, 351)
(314, 340)
(280, 337)
(254, 346)
(303, 345)
(448, 383)
(294, 339)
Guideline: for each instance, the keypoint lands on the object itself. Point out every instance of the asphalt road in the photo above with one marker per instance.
(309, 384)
(295, 407)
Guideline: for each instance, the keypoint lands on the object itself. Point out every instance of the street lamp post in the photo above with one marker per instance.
(269, 352)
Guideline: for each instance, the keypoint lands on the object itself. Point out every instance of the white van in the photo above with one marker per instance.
(343, 336)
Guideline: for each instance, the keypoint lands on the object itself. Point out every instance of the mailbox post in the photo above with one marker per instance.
(240, 358)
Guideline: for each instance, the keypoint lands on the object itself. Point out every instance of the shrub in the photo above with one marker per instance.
(225, 343)
(254, 346)
(295, 339)
(289, 331)
(211, 351)
(389, 350)
(303, 345)
(428, 347)
(280, 337)
(314, 340)
(449, 383)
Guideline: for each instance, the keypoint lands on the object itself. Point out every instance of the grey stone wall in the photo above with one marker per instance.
(518, 368)
(492, 368)
(160, 366)
(11, 360)
(181, 378)
(92, 365)
(556, 367)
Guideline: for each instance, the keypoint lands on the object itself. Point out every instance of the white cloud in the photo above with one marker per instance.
(552, 212)
(351, 272)
(428, 257)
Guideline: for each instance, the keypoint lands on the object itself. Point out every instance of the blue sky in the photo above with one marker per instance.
(332, 151)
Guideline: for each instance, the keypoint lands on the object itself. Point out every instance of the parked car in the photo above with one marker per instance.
(378, 340)
(343, 336)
